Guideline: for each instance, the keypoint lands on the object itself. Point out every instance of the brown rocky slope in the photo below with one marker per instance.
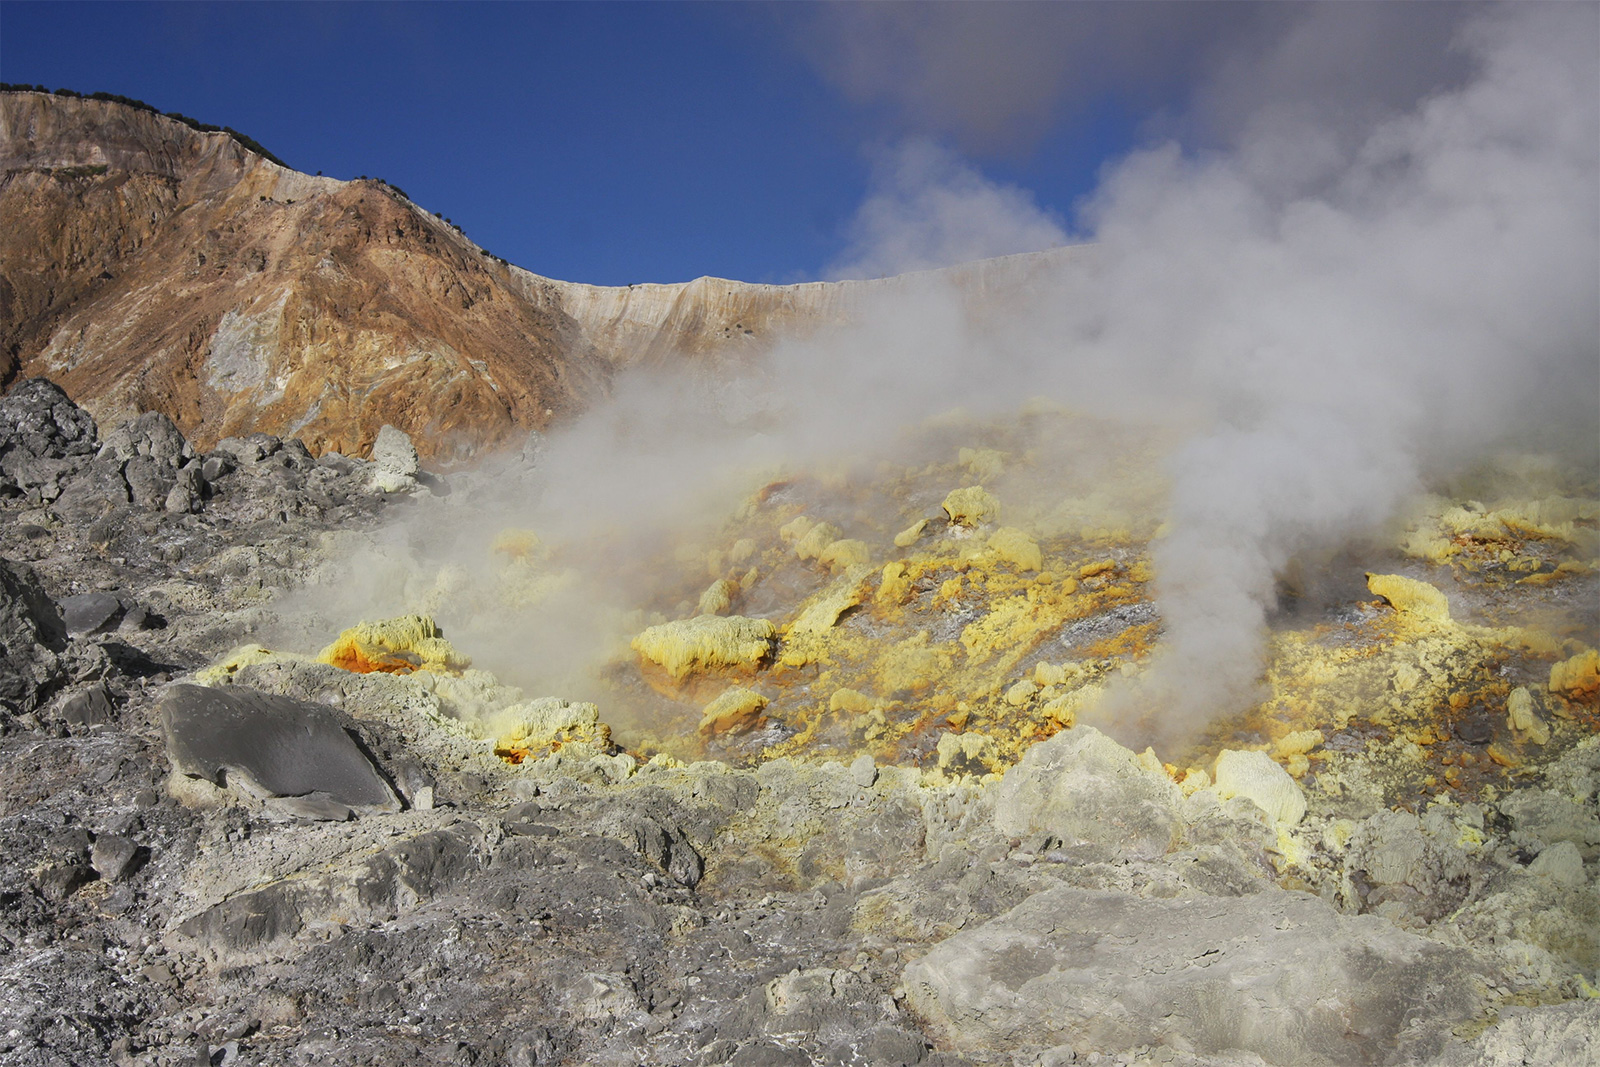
(148, 266)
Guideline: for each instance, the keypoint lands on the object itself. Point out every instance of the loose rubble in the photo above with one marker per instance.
(882, 834)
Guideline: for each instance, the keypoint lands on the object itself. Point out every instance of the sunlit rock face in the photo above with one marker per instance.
(151, 267)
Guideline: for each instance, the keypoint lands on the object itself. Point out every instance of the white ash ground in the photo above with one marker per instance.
(588, 907)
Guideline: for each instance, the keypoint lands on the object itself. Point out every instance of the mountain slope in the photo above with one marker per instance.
(145, 265)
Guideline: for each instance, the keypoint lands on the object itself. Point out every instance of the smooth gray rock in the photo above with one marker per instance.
(285, 747)
(1278, 974)
(1084, 788)
(864, 770)
(87, 613)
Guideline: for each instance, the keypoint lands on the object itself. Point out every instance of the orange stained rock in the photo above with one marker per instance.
(347, 654)
(394, 646)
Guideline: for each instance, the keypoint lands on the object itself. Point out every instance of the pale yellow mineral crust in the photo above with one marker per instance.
(1016, 548)
(395, 646)
(1411, 596)
(911, 534)
(1254, 776)
(971, 506)
(1578, 675)
(718, 597)
(735, 709)
(706, 641)
(546, 723)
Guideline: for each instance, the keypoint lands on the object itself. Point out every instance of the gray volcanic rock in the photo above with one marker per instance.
(1278, 974)
(31, 635)
(85, 613)
(1082, 787)
(44, 439)
(286, 747)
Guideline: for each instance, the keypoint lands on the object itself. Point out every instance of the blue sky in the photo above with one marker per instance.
(625, 142)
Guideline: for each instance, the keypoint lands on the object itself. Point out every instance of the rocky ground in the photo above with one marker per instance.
(209, 855)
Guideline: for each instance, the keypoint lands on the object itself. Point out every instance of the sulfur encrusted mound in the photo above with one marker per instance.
(971, 506)
(1411, 596)
(547, 723)
(395, 646)
(706, 641)
(1256, 777)
(736, 709)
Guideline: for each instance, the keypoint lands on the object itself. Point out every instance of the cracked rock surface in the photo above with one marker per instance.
(343, 876)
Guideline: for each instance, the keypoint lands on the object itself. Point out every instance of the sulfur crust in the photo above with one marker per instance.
(971, 506)
(704, 642)
(1411, 596)
(395, 646)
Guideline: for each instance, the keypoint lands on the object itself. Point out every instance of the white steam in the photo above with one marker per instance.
(928, 209)
(1333, 318)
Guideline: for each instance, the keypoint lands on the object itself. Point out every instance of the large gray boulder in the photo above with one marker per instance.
(44, 439)
(278, 746)
(1081, 787)
(1277, 974)
(146, 462)
(31, 637)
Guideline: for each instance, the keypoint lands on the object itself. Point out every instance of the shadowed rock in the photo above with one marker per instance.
(285, 747)
(31, 634)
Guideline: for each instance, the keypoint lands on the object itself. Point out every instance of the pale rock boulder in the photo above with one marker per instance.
(394, 461)
(1260, 780)
(1084, 788)
(1562, 863)
(1557, 1035)
(1276, 974)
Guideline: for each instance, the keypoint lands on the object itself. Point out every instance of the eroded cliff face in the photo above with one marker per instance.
(151, 267)
(146, 266)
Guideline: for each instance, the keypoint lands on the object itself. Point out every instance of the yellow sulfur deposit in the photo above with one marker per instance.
(1254, 776)
(394, 646)
(1297, 743)
(851, 702)
(516, 544)
(1411, 596)
(816, 540)
(1016, 548)
(911, 534)
(967, 756)
(1523, 719)
(706, 641)
(844, 554)
(735, 709)
(1578, 675)
(718, 597)
(894, 585)
(523, 729)
(972, 506)
(913, 664)
(243, 656)
(821, 613)
(795, 529)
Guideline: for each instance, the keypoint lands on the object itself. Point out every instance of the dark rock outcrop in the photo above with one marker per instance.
(286, 747)
(32, 636)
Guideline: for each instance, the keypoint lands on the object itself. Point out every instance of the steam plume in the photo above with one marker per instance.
(1332, 316)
